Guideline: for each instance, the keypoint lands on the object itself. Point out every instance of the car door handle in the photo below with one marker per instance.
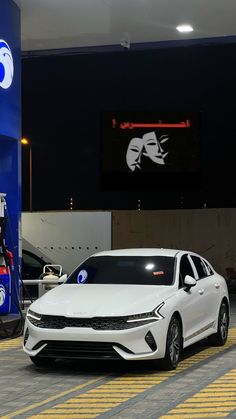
(201, 291)
(217, 285)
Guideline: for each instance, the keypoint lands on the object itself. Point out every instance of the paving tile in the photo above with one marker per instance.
(23, 385)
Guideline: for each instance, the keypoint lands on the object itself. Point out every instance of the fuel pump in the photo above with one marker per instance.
(6, 262)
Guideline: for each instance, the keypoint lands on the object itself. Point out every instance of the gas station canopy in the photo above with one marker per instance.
(53, 24)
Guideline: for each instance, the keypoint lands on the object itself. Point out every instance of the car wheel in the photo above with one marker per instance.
(220, 337)
(173, 345)
(42, 362)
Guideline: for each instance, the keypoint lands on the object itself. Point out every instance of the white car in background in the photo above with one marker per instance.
(131, 304)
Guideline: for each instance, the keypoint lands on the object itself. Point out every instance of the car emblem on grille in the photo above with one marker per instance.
(81, 313)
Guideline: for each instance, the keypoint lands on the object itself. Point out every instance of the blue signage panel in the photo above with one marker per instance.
(10, 77)
(10, 133)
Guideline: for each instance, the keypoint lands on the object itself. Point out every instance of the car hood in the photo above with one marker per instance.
(92, 300)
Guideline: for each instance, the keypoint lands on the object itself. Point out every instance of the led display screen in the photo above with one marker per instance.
(150, 150)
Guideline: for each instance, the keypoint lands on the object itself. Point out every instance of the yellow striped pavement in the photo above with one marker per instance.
(113, 393)
(7, 344)
(218, 399)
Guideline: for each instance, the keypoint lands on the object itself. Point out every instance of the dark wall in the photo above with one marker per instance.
(63, 97)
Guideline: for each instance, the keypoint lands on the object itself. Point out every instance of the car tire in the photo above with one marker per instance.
(220, 337)
(173, 345)
(42, 362)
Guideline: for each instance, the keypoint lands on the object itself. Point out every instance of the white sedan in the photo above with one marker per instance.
(132, 304)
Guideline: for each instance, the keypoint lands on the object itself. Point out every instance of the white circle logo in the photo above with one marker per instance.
(2, 295)
(6, 65)
(82, 276)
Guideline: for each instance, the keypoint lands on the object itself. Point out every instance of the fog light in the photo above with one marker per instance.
(26, 336)
(150, 341)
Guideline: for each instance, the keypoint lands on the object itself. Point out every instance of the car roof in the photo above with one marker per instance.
(140, 252)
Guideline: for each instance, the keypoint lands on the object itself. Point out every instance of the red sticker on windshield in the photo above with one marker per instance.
(159, 273)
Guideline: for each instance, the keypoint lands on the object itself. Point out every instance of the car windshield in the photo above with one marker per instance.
(138, 270)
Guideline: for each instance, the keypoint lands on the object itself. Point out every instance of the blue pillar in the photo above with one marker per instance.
(10, 122)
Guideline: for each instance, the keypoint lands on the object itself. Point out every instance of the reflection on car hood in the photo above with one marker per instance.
(90, 300)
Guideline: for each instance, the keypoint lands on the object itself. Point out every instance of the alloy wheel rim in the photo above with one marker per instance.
(174, 346)
(224, 325)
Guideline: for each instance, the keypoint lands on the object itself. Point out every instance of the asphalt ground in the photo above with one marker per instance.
(203, 385)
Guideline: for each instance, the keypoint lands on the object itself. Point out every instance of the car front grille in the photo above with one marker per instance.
(96, 323)
(79, 349)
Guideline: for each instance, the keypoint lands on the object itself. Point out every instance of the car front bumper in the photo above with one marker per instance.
(128, 344)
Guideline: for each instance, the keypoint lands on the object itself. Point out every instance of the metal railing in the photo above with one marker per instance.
(43, 286)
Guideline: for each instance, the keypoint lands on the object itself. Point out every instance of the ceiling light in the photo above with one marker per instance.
(184, 28)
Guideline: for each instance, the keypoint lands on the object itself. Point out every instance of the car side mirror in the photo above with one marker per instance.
(189, 282)
(62, 279)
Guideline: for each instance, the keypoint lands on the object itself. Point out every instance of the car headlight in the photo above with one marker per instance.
(150, 316)
(33, 315)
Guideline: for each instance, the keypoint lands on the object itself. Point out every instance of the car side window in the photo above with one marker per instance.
(32, 262)
(185, 268)
(200, 267)
(209, 269)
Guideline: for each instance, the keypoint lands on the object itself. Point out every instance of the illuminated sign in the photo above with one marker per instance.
(10, 70)
(150, 150)
(6, 65)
